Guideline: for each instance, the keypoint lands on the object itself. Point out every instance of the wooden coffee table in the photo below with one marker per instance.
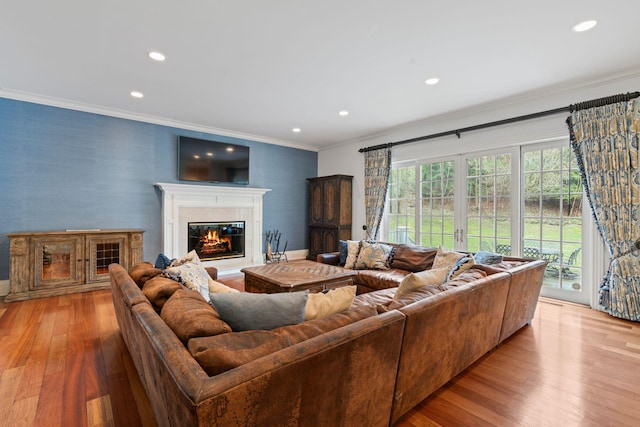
(295, 276)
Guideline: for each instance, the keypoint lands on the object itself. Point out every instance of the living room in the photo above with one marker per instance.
(70, 162)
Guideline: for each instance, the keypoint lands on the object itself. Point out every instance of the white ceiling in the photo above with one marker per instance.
(259, 68)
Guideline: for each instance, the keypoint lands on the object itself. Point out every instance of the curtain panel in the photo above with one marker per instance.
(605, 142)
(377, 168)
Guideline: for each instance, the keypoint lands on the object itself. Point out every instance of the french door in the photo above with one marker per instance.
(524, 201)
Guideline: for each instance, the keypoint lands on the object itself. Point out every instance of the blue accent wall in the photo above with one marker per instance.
(64, 169)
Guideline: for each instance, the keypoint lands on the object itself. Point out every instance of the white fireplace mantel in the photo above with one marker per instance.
(184, 203)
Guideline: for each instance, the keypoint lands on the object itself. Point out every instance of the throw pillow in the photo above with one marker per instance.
(344, 250)
(446, 259)
(190, 257)
(215, 287)
(462, 265)
(374, 256)
(163, 261)
(192, 275)
(325, 304)
(414, 281)
(488, 258)
(352, 254)
(245, 311)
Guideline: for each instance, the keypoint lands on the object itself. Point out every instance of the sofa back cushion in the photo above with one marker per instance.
(190, 316)
(143, 271)
(158, 290)
(413, 258)
(220, 353)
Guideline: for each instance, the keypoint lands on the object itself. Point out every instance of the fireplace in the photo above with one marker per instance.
(216, 240)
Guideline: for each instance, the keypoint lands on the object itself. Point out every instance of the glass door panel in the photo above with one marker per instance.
(437, 225)
(56, 262)
(488, 218)
(552, 220)
(401, 214)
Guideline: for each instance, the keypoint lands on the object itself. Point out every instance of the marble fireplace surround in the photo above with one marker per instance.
(184, 203)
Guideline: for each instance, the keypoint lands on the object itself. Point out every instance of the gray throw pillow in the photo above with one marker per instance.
(487, 258)
(245, 311)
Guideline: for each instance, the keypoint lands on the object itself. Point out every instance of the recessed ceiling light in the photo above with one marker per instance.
(343, 113)
(196, 156)
(296, 130)
(229, 149)
(136, 94)
(432, 81)
(210, 154)
(157, 56)
(584, 26)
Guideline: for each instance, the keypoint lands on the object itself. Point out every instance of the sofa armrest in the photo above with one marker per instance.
(331, 258)
(213, 272)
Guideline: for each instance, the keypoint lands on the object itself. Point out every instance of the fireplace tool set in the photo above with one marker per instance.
(273, 241)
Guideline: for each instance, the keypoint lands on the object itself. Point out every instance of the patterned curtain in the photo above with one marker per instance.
(605, 142)
(377, 166)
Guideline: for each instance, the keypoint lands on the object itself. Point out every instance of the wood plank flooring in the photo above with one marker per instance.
(63, 363)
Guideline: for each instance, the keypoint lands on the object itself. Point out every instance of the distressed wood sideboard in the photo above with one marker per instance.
(47, 263)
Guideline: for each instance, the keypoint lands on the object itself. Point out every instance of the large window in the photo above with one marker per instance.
(525, 202)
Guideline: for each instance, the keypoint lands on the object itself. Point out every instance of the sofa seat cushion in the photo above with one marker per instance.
(468, 276)
(508, 264)
(377, 279)
(143, 271)
(158, 290)
(413, 258)
(415, 295)
(429, 290)
(190, 316)
(220, 353)
(412, 281)
(375, 298)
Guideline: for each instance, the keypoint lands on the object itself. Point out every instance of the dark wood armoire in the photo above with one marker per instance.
(330, 200)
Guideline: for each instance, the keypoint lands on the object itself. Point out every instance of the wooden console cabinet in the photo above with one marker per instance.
(329, 213)
(51, 263)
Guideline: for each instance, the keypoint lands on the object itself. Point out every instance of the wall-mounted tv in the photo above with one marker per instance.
(212, 161)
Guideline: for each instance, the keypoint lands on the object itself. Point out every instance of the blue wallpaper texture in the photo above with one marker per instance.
(64, 169)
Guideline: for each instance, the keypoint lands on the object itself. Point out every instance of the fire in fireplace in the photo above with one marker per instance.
(217, 240)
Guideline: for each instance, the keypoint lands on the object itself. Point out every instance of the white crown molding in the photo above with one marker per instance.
(121, 114)
(531, 96)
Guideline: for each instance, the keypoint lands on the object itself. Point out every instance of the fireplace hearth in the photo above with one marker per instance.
(217, 240)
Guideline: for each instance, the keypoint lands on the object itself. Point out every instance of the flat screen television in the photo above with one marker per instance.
(212, 161)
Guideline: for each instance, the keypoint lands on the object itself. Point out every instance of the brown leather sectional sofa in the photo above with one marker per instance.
(368, 367)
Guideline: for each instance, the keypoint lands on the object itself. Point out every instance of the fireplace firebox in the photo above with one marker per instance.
(217, 240)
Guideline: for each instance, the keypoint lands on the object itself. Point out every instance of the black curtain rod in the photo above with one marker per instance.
(571, 108)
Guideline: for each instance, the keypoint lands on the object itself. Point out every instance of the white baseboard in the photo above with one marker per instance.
(4, 288)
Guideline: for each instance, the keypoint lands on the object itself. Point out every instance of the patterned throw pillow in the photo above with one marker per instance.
(352, 254)
(190, 257)
(191, 274)
(447, 259)
(462, 265)
(456, 262)
(374, 256)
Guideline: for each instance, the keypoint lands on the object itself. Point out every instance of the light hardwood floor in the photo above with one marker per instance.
(63, 363)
